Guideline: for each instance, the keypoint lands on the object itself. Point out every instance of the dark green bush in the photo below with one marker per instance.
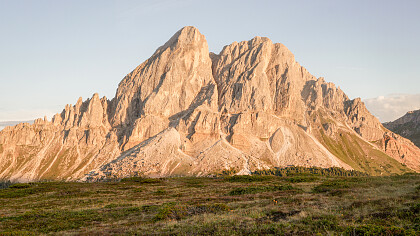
(5, 184)
(21, 185)
(293, 170)
(300, 179)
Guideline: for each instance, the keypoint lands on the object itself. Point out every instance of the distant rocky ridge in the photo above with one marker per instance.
(4, 124)
(408, 126)
(186, 111)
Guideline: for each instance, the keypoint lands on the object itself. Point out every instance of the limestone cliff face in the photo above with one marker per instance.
(186, 111)
(67, 147)
(176, 80)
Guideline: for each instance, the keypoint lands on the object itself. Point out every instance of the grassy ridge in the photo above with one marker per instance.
(295, 204)
(355, 152)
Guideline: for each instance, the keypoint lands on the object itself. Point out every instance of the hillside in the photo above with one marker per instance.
(188, 112)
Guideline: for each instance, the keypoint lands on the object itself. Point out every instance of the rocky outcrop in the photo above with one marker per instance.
(186, 111)
(402, 150)
(408, 126)
(74, 142)
(364, 123)
(369, 127)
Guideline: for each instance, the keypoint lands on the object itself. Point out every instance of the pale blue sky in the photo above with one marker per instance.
(52, 52)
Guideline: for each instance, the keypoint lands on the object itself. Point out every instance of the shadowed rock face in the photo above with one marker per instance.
(186, 111)
(407, 126)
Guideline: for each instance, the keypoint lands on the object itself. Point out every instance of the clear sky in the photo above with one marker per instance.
(52, 52)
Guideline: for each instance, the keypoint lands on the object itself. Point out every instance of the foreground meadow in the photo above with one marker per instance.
(300, 203)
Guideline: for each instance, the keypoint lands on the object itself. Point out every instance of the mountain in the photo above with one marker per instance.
(186, 111)
(4, 124)
(407, 126)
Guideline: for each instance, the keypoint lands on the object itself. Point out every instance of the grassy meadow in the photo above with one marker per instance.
(290, 204)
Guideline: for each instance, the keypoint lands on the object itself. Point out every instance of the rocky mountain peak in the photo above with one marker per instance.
(186, 111)
(188, 35)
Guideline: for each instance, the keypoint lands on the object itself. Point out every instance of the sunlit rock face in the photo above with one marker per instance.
(186, 111)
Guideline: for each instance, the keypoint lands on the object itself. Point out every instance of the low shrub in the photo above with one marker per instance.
(276, 215)
(322, 223)
(259, 189)
(117, 205)
(138, 190)
(54, 221)
(21, 185)
(197, 182)
(300, 179)
(176, 211)
(170, 211)
(247, 178)
(371, 229)
(149, 208)
(160, 192)
(212, 208)
(17, 193)
(334, 187)
(142, 180)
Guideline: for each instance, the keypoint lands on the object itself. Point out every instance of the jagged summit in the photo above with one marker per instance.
(186, 36)
(168, 83)
(186, 111)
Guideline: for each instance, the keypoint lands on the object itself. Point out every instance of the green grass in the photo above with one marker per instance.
(142, 180)
(174, 211)
(334, 187)
(294, 204)
(360, 156)
(259, 189)
(247, 178)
